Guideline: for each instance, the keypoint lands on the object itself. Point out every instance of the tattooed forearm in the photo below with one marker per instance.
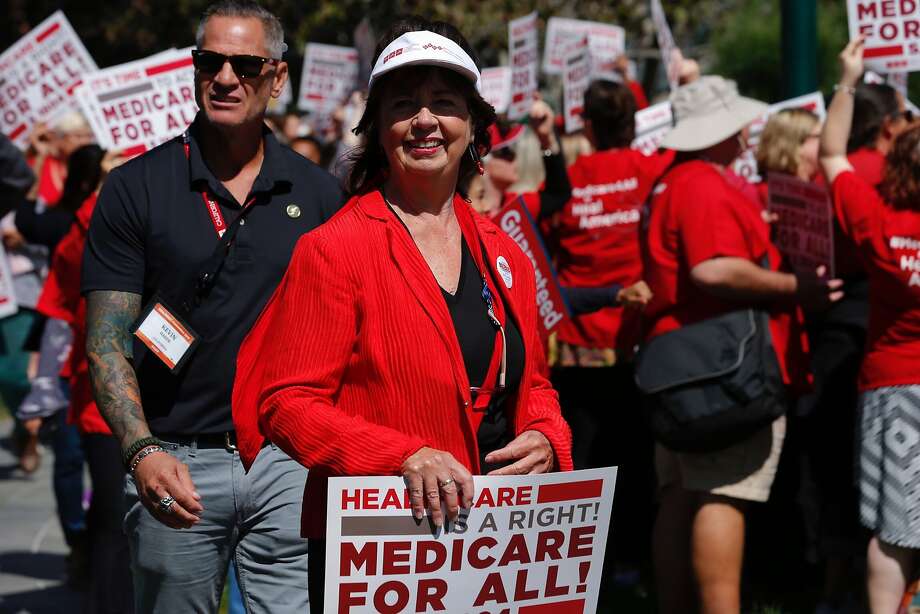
(109, 316)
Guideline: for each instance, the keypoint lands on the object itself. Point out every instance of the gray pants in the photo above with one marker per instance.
(254, 517)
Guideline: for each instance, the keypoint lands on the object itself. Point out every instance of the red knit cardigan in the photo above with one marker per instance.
(354, 364)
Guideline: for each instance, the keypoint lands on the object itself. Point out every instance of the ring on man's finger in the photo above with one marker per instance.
(165, 504)
(447, 482)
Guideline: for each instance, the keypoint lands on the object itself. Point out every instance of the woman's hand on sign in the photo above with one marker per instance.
(530, 452)
(636, 296)
(815, 292)
(851, 62)
(434, 476)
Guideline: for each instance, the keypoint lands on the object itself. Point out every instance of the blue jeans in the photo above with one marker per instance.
(253, 517)
(68, 475)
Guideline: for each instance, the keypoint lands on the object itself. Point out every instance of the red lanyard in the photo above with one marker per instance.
(214, 212)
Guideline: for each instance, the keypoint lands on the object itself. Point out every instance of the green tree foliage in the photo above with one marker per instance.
(747, 46)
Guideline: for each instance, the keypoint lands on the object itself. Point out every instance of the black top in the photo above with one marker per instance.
(46, 227)
(151, 232)
(557, 189)
(476, 334)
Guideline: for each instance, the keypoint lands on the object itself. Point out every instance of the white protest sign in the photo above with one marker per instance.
(530, 545)
(525, 61)
(8, 305)
(38, 75)
(892, 31)
(605, 41)
(652, 124)
(136, 106)
(804, 230)
(575, 80)
(496, 87)
(330, 74)
(746, 164)
(671, 56)
(897, 80)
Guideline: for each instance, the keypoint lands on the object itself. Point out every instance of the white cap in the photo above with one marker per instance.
(424, 48)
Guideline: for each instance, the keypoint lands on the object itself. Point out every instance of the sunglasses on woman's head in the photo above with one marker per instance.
(245, 66)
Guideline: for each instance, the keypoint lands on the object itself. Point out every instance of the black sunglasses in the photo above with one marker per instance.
(505, 153)
(245, 66)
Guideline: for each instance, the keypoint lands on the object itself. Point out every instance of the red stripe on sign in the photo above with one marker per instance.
(17, 131)
(133, 151)
(315, 97)
(875, 52)
(73, 87)
(575, 111)
(155, 70)
(576, 606)
(51, 30)
(551, 493)
(517, 98)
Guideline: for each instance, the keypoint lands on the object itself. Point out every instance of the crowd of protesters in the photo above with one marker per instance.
(349, 310)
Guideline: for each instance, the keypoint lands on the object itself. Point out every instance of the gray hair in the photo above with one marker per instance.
(274, 33)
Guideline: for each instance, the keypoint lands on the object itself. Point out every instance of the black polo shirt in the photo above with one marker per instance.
(151, 233)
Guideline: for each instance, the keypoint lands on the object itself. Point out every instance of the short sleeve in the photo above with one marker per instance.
(709, 222)
(856, 206)
(114, 254)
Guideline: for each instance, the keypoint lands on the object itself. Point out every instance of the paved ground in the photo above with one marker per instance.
(32, 547)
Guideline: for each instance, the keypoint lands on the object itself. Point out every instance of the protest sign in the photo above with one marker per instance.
(605, 42)
(38, 75)
(330, 74)
(892, 31)
(496, 87)
(671, 56)
(136, 106)
(525, 59)
(8, 305)
(804, 230)
(530, 544)
(575, 80)
(746, 164)
(652, 124)
(516, 221)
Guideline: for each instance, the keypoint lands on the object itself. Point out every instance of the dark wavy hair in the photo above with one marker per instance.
(872, 104)
(901, 182)
(84, 171)
(368, 162)
(611, 107)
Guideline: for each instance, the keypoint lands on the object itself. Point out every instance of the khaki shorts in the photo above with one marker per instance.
(744, 471)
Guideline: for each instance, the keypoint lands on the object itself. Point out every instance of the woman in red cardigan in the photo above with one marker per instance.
(403, 339)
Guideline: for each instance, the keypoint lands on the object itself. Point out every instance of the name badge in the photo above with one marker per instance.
(165, 334)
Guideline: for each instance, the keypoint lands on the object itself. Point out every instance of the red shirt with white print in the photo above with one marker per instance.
(888, 240)
(595, 238)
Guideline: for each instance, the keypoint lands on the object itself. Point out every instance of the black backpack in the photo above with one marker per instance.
(713, 383)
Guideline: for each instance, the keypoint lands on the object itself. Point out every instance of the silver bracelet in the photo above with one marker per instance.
(849, 89)
(142, 455)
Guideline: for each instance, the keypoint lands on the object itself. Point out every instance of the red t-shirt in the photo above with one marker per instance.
(869, 165)
(697, 215)
(51, 181)
(595, 237)
(888, 240)
(60, 298)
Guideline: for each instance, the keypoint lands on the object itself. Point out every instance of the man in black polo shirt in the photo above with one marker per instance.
(187, 243)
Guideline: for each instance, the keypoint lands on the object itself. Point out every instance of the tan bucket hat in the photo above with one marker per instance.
(708, 111)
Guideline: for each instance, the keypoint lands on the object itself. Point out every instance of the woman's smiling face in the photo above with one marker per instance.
(425, 125)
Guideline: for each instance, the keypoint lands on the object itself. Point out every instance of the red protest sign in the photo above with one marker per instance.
(529, 544)
(892, 31)
(804, 230)
(515, 220)
(38, 75)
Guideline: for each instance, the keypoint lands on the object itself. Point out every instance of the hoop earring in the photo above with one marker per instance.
(477, 159)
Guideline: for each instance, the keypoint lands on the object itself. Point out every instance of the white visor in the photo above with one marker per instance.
(424, 48)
